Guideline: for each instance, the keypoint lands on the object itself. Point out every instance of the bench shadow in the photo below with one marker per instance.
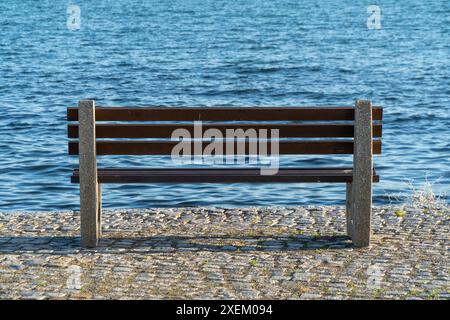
(169, 243)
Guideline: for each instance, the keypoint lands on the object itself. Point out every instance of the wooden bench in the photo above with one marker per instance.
(334, 130)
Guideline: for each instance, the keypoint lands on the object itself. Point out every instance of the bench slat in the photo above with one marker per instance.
(165, 130)
(222, 175)
(165, 147)
(224, 114)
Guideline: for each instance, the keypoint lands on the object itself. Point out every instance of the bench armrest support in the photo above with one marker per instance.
(362, 174)
(89, 208)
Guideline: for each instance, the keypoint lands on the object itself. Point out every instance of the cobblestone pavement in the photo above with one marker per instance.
(251, 253)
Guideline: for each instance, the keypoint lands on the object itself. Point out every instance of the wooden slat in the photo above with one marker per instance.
(217, 170)
(165, 130)
(224, 114)
(222, 175)
(165, 147)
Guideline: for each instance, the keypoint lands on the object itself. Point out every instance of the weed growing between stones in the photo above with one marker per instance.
(400, 213)
(420, 197)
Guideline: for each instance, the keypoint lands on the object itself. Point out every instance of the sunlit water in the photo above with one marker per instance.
(212, 53)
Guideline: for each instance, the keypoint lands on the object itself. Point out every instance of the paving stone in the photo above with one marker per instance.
(310, 296)
(207, 253)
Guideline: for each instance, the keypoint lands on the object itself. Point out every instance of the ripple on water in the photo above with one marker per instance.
(244, 53)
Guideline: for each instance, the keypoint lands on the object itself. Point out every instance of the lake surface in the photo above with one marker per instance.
(215, 53)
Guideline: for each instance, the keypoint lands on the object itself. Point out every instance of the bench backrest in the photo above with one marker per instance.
(322, 130)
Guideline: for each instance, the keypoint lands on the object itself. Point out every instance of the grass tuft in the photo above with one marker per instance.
(253, 262)
(421, 197)
(400, 213)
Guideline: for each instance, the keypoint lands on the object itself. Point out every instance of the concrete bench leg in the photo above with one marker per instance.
(349, 209)
(89, 202)
(99, 213)
(89, 216)
(362, 174)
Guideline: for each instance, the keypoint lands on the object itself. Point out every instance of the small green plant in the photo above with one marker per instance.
(253, 262)
(433, 295)
(255, 220)
(421, 196)
(414, 292)
(325, 289)
(352, 288)
(377, 293)
(400, 213)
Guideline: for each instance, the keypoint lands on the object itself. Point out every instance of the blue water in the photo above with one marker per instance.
(211, 53)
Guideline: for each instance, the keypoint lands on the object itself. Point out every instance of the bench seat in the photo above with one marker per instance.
(221, 175)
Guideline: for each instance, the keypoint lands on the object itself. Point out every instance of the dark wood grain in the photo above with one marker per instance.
(222, 175)
(330, 130)
(165, 147)
(224, 114)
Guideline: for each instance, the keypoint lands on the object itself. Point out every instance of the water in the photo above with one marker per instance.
(210, 53)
